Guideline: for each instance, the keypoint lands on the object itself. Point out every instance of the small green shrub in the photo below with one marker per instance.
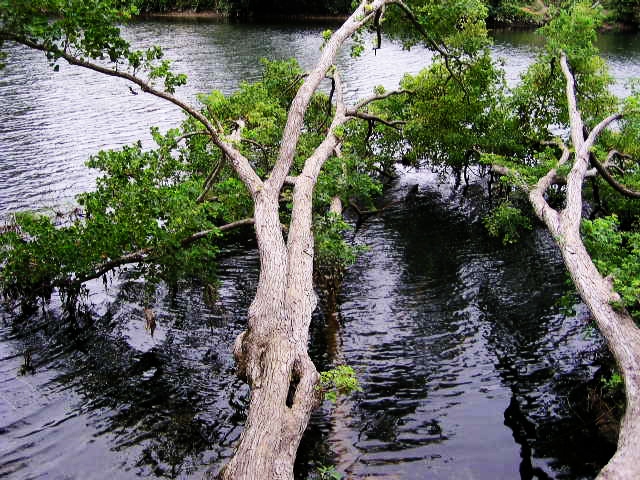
(339, 380)
(506, 222)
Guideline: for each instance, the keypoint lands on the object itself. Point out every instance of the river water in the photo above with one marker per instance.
(468, 365)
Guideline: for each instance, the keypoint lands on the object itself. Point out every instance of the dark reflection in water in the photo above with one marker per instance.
(465, 361)
(468, 367)
(164, 406)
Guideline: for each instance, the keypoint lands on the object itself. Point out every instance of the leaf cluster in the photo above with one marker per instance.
(451, 119)
(84, 29)
(506, 222)
(616, 253)
(340, 380)
(452, 29)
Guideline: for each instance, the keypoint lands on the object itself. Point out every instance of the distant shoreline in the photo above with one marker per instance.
(213, 15)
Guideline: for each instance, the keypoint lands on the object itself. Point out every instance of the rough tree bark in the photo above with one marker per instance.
(617, 327)
(272, 353)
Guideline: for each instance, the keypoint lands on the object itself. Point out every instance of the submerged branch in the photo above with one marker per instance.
(145, 255)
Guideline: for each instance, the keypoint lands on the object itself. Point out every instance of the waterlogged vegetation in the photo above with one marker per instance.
(285, 157)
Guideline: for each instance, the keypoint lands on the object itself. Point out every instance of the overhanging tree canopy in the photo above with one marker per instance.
(277, 153)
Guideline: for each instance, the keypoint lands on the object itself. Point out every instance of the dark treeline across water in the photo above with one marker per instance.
(519, 13)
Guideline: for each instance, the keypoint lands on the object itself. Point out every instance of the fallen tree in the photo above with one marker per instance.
(279, 152)
(148, 205)
(576, 162)
(544, 138)
(614, 322)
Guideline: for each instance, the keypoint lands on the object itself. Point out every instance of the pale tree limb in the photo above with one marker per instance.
(540, 205)
(617, 326)
(363, 14)
(272, 354)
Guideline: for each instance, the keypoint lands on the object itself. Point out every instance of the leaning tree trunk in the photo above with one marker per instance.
(272, 353)
(617, 327)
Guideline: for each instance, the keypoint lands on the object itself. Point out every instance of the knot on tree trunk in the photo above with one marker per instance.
(248, 352)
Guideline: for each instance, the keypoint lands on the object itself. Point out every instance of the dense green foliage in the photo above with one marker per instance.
(616, 253)
(526, 13)
(340, 380)
(165, 209)
(626, 11)
(147, 200)
(149, 205)
(536, 110)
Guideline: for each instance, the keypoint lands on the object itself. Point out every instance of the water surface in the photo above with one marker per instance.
(467, 363)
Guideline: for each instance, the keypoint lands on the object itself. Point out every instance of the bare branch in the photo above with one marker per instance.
(208, 183)
(364, 102)
(190, 135)
(536, 194)
(224, 228)
(575, 118)
(373, 118)
(600, 127)
(293, 128)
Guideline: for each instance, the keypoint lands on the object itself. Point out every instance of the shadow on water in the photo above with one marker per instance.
(466, 362)
(162, 406)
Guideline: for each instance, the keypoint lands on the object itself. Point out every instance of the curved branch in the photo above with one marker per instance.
(238, 161)
(617, 186)
(373, 118)
(366, 101)
(597, 130)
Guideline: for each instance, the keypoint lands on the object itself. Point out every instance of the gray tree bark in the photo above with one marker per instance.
(272, 353)
(617, 327)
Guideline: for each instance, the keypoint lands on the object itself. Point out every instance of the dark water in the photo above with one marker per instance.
(467, 363)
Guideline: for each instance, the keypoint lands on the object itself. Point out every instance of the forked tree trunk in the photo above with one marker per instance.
(617, 327)
(272, 353)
